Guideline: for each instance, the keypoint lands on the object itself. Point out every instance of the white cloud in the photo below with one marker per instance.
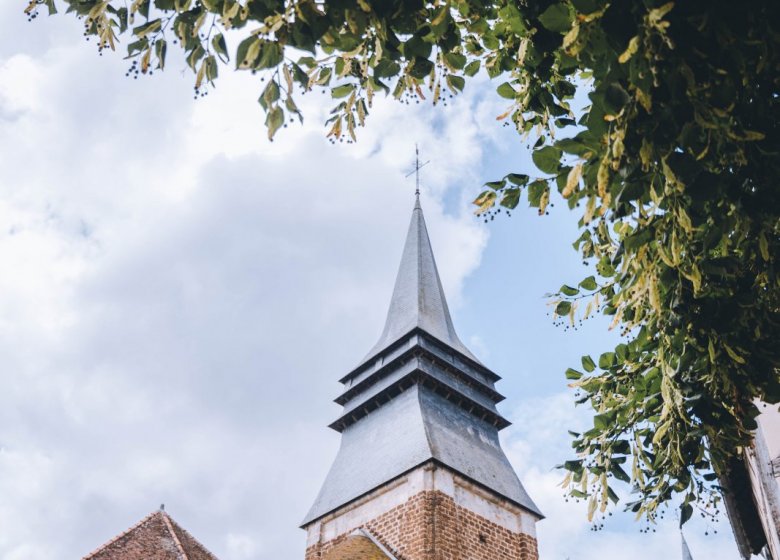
(181, 296)
(178, 297)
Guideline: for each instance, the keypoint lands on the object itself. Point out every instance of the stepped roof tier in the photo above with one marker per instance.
(418, 396)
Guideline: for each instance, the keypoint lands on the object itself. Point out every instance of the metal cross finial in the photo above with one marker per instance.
(416, 170)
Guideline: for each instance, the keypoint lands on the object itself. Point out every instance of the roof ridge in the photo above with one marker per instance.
(187, 534)
(176, 540)
(120, 535)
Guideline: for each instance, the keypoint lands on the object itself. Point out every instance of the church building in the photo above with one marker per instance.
(420, 474)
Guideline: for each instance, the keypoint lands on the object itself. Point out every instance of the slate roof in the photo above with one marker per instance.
(155, 537)
(418, 297)
(419, 396)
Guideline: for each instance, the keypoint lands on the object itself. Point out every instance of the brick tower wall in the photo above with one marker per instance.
(430, 525)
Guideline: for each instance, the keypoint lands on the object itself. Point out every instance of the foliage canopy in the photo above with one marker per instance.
(674, 166)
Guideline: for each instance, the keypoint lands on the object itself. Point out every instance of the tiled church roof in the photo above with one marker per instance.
(155, 537)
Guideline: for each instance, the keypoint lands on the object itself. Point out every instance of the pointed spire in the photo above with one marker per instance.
(686, 552)
(418, 297)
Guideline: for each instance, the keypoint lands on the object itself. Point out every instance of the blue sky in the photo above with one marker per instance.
(179, 297)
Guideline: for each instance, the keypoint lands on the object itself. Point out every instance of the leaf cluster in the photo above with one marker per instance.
(673, 168)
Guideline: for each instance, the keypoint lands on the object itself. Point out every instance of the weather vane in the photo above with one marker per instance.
(416, 170)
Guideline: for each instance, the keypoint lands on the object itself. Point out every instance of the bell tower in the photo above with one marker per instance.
(420, 474)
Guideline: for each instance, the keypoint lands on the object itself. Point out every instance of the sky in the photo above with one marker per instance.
(179, 296)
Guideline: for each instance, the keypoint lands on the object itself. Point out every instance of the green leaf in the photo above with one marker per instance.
(556, 18)
(511, 198)
(220, 47)
(242, 52)
(270, 95)
(585, 6)
(607, 360)
(456, 83)
(271, 54)
(686, 511)
(274, 120)
(455, 61)
(588, 364)
(602, 422)
(421, 68)
(386, 68)
(547, 159)
(573, 374)
(563, 308)
(506, 91)
(536, 191)
(615, 98)
(472, 68)
(307, 61)
(568, 290)
(589, 284)
(342, 91)
(143, 30)
(160, 49)
(416, 47)
(518, 179)
(618, 472)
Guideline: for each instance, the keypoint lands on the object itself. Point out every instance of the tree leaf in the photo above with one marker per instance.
(456, 83)
(472, 68)
(506, 91)
(589, 283)
(274, 120)
(563, 308)
(588, 364)
(547, 159)
(556, 18)
(568, 290)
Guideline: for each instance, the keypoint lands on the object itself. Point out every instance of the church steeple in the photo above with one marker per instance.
(419, 440)
(418, 298)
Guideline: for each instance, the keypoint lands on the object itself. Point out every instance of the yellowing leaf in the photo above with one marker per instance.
(544, 200)
(645, 154)
(633, 46)
(655, 16)
(655, 298)
(763, 246)
(684, 219)
(733, 355)
(572, 180)
(602, 177)
(661, 432)
(644, 98)
(571, 36)
(591, 507)
(485, 201)
(590, 208)
(711, 350)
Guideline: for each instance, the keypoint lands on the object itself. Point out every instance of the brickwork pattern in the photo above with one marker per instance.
(431, 526)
